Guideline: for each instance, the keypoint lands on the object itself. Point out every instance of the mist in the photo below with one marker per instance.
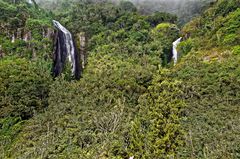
(184, 9)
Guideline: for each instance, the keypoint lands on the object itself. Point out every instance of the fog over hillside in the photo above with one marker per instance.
(184, 9)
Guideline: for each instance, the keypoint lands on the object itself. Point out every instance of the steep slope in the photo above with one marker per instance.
(130, 101)
(184, 9)
(25, 30)
(92, 118)
(210, 75)
(25, 51)
(25, 37)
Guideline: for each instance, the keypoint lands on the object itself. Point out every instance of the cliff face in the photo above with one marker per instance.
(23, 24)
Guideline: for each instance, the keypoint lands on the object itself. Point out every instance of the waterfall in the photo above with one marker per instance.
(13, 38)
(174, 50)
(65, 49)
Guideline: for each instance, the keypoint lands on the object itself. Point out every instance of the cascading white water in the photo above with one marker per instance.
(174, 50)
(65, 48)
(13, 38)
(69, 43)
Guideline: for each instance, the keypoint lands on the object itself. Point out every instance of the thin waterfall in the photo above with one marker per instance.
(13, 38)
(65, 49)
(174, 50)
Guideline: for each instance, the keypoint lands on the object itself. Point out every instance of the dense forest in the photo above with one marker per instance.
(132, 100)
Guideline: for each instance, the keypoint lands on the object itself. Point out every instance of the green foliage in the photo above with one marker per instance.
(224, 7)
(166, 33)
(211, 93)
(236, 50)
(6, 10)
(17, 48)
(24, 88)
(127, 6)
(37, 26)
(217, 27)
(9, 129)
(228, 34)
(90, 114)
(18, 20)
(165, 30)
(157, 132)
(186, 46)
(160, 17)
(91, 118)
(126, 104)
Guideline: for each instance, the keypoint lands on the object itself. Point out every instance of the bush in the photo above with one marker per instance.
(228, 34)
(186, 46)
(156, 132)
(236, 50)
(166, 33)
(9, 129)
(23, 88)
(161, 17)
(211, 93)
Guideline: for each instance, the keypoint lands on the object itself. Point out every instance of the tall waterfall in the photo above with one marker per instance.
(65, 49)
(175, 53)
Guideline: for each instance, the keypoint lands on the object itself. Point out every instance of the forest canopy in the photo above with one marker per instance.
(132, 100)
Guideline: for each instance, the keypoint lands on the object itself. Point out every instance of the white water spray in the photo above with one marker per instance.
(13, 38)
(175, 53)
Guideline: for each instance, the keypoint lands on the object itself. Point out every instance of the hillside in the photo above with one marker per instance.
(210, 73)
(131, 100)
(184, 9)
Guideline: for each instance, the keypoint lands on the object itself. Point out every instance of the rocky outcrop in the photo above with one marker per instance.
(83, 51)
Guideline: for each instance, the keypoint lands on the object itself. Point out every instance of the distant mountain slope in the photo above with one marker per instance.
(184, 9)
(210, 73)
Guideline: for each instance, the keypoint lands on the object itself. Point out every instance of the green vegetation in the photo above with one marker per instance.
(210, 74)
(212, 96)
(24, 88)
(28, 25)
(130, 101)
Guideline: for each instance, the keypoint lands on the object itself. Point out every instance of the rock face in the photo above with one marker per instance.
(83, 52)
(27, 36)
(1, 52)
(64, 48)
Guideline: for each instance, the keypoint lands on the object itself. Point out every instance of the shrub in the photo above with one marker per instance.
(161, 17)
(23, 88)
(166, 33)
(236, 50)
(9, 129)
(157, 132)
(186, 46)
